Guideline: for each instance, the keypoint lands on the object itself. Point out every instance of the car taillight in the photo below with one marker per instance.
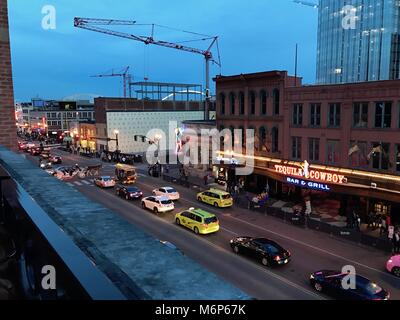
(277, 258)
(205, 225)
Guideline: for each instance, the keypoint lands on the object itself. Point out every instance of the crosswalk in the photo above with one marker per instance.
(80, 183)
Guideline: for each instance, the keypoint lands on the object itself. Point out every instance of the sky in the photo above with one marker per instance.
(254, 36)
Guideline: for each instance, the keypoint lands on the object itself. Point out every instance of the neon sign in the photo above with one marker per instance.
(305, 172)
(308, 184)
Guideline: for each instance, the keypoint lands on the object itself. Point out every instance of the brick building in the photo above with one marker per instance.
(8, 127)
(336, 142)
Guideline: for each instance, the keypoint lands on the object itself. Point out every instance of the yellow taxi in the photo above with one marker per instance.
(200, 221)
(216, 197)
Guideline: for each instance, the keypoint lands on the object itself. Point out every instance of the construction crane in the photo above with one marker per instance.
(306, 3)
(126, 77)
(93, 25)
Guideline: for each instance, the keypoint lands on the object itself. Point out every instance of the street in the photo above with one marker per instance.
(311, 250)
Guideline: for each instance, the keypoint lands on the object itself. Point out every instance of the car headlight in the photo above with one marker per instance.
(312, 277)
(231, 241)
(390, 261)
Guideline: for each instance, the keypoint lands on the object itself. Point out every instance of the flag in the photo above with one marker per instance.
(354, 149)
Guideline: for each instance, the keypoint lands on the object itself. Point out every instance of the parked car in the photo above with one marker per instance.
(216, 197)
(22, 145)
(158, 204)
(128, 192)
(266, 251)
(393, 265)
(330, 282)
(55, 159)
(169, 192)
(104, 182)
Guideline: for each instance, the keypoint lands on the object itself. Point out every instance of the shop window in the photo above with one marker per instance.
(315, 117)
(380, 156)
(333, 151)
(398, 157)
(276, 98)
(275, 139)
(360, 115)
(382, 208)
(358, 154)
(296, 148)
(334, 115)
(252, 102)
(232, 102)
(313, 148)
(262, 138)
(263, 101)
(241, 103)
(297, 114)
(383, 114)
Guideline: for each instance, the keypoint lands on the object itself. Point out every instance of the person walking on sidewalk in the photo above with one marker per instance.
(396, 242)
(205, 180)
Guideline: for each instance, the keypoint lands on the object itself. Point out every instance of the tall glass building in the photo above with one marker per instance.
(358, 43)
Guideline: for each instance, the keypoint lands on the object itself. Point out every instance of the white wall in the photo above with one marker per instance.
(140, 123)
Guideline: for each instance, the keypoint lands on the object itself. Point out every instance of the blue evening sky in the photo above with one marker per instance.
(255, 35)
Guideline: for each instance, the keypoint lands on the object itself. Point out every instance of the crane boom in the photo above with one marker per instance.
(124, 74)
(306, 3)
(94, 25)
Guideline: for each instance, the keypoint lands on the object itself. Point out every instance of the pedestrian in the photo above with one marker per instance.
(205, 180)
(396, 242)
(383, 226)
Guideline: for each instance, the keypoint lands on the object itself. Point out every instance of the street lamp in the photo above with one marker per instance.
(116, 132)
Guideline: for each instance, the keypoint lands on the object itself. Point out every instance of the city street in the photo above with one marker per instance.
(310, 250)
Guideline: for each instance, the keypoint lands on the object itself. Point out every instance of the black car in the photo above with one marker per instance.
(128, 192)
(331, 283)
(268, 252)
(36, 151)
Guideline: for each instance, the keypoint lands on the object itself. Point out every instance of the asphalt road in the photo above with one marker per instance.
(311, 250)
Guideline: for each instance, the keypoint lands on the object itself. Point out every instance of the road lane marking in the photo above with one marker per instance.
(78, 183)
(70, 184)
(86, 182)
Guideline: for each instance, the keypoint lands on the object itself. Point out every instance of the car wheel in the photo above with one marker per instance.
(155, 210)
(127, 197)
(143, 205)
(196, 230)
(318, 286)
(264, 262)
(396, 271)
(177, 221)
(236, 249)
(216, 204)
(199, 199)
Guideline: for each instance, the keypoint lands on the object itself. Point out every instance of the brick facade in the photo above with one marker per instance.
(7, 114)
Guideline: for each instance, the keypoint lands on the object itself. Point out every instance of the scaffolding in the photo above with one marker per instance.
(164, 91)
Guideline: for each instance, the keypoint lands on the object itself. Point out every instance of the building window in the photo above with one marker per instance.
(360, 115)
(398, 157)
(232, 102)
(243, 136)
(222, 102)
(262, 139)
(297, 114)
(54, 115)
(296, 148)
(263, 102)
(252, 102)
(276, 99)
(383, 114)
(313, 148)
(275, 139)
(222, 137)
(380, 156)
(358, 154)
(241, 103)
(333, 151)
(334, 115)
(232, 138)
(315, 119)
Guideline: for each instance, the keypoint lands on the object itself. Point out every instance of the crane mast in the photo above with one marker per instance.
(94, 25)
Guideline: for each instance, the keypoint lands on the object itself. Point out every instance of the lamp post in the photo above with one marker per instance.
(116, 132)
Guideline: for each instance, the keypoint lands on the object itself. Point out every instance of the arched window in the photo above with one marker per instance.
(275, 139)
(232, 102)
(241, 103)
(222, 137)
(263, 102)
(232, 142)
(276, 99)
(262, 139)
(252, 102)
(222, 102)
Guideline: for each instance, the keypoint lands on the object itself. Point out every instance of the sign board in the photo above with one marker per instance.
(308, 184)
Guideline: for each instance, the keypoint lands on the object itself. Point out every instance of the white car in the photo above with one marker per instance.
(158, 204)
(104, 182)
(168, 192)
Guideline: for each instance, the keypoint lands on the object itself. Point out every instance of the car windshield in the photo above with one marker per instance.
(171, 190)
(226, 196)
(166, 201)
(106, 179)
(210, 220)
(372, 288)
(132, 189)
